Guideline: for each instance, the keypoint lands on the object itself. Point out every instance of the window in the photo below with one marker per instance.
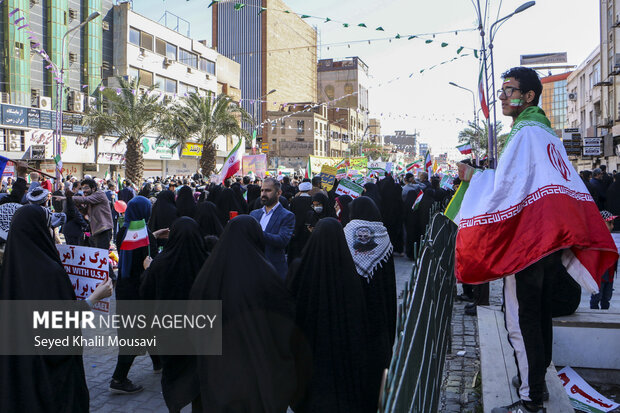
(207, 66)
(300, 126)
(19, 50)
(12, 140)
(160, 47)
(171, 51)
(188, 58)
(146, 41)
(166, 84)
(134, 36)
(186, 89)
(146, 78)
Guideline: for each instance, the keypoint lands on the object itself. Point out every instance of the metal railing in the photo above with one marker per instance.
(413, 381)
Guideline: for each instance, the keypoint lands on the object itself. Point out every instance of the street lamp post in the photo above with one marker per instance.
(473, 95)
(60, 82)
(492, 127)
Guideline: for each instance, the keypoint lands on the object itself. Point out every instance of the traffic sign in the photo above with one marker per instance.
(592, 151)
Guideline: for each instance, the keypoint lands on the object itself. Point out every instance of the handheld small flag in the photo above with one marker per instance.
(232, 163)
(418, 199)
(137, 236)
(465, 148)
(309, 169)
(483, 101)
(429, 164)
(3, 162)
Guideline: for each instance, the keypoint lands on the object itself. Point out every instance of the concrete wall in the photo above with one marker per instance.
(291, 57)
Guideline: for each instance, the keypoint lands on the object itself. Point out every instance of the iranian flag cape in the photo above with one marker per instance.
(532, 205)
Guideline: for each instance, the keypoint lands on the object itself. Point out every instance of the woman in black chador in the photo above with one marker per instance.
(32, 270)
(370, 246)
(186, 205)
(170, 277)
(331, 314)
(256, 371)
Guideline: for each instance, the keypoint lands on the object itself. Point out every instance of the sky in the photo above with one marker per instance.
(424, 102)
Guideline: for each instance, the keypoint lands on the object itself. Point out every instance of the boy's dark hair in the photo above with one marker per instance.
(246, 180)
(528, 80)
(316, 181)
(91, 183)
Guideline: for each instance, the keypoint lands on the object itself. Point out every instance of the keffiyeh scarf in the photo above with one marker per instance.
(369, 244)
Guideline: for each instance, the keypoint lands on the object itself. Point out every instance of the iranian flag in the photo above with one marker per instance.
(429, 163)
(232, 164)
(418, 199)
(483, 101)
(465, 148)
(137, 236)
(531, 206)
(309, 168)
(413, 165)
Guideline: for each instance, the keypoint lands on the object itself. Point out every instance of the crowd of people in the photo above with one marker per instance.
(315, 281)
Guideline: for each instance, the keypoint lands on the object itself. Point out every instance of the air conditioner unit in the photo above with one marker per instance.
(76, 101)
(572, 96)
(34, 2)
(208, 76)
(105, 25)
(167, 61)
(5, 97)
(73, 14)
(142, 51)
(44, 102)
(167, 99)
(72, 57)
(91, 102)
(189, 70)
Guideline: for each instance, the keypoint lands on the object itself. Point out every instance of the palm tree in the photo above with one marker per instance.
(477, 136)
(205, 118)
(130, 115)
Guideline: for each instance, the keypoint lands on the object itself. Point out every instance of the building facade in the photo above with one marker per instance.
(554, 100)
(277, 52)
(297, 133)
(344, 84)
(405, 142)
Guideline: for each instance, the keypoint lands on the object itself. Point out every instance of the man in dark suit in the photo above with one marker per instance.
(277, 223)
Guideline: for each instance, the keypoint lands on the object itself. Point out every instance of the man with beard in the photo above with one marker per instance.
(277, 223)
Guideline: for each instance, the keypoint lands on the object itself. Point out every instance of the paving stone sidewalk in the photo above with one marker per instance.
(462, 365)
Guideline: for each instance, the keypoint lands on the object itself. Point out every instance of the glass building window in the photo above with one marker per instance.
(171, 51)
(146, 41)
(207, 66)
(186, 89)
(134, 36)
(160, 47)
(188, 58)
(166, 84)
(146, 78)
(19, 50)
(133, 73)
(300, 126)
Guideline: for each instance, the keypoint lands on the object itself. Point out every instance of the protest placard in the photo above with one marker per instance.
(348, 187)
(87, 268)
(582, 396)
(328, 176)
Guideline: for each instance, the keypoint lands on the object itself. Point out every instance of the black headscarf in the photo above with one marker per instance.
(214, 193)
(243, 205)
(186, 205)
(372, 191)
(331, 313)
(344, 201)
(227, 201)
(256, 372)
(164, 211)
(327, 212)
(146, 190)
(208, 219)
(253, 193)
(32, 271)
(366, 209)
(613, 201)
(170, 277)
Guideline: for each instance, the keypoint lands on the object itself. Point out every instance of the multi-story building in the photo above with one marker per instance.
(297, 133)
(423, 148)
(584, 99)
(177, 65)
(338, 140)
(342, 85)
(277, 52)
(374, 131)
(28, 83)
(404, 142)
(554, 100)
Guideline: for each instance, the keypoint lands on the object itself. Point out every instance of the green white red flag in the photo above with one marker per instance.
(418, 199)
(232, 164)
(137, 236)
(483, 101)
(465, 148)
